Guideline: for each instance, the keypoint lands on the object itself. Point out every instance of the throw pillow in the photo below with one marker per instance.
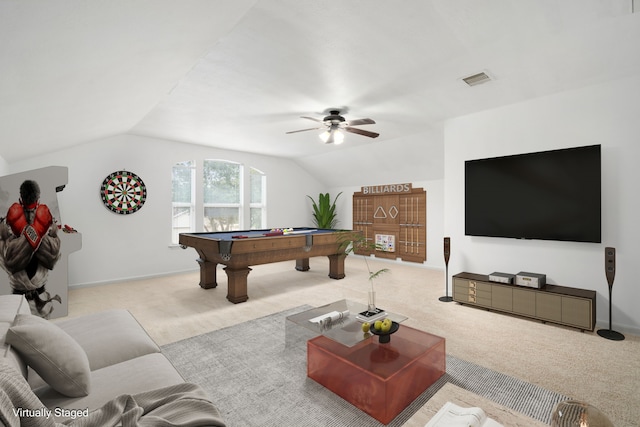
(52, 353)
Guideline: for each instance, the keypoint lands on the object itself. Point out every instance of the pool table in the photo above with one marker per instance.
(238, 250)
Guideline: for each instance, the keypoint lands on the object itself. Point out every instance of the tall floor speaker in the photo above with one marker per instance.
(610, 273)
(447, 253)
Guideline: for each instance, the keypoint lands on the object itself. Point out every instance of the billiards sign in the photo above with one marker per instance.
(387, 189)
(123, 192)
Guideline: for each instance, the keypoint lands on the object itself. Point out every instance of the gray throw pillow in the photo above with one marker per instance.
(52, 353)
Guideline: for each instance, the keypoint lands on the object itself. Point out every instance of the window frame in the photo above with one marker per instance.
(197, 205)
(240, 205)
(175, 231)
(262, 205)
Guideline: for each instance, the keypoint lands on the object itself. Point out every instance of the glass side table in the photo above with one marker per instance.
(339, 321)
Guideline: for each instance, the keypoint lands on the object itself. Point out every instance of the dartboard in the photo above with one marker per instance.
(123, 192)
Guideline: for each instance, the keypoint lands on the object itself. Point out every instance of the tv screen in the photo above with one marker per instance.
(549, 195)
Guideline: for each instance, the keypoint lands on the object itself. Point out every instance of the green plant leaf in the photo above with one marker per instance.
(324, 211)
(376, 274)
(351, 241)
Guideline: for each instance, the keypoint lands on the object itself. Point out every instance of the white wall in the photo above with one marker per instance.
(118, 247)
(435, 224)
(605, 114)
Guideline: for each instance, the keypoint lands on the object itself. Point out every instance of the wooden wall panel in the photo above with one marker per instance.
(363, 219)
(398, 220)
(413, 222)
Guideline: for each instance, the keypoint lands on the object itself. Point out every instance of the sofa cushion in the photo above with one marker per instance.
(138, 375)
(109, 337)
(10, 356)
(52, 353)
(10, 306)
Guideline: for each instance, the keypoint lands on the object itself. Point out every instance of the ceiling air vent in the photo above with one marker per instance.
(477, 79)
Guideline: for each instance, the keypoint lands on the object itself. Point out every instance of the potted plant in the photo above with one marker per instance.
(324, 211)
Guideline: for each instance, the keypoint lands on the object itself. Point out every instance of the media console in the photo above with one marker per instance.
(556, 304)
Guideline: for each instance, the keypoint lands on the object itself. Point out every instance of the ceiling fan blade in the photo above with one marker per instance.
(311, 118)
(304, 130)
(362, 132)
(361, 122)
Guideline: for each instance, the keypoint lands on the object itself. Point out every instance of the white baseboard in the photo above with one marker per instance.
(129, 279)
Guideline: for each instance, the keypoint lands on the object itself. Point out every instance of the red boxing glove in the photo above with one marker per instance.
(16, 219)
(41, 224)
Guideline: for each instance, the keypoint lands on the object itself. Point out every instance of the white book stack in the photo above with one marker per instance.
(452, 415)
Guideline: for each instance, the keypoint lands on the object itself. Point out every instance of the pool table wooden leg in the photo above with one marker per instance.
(302, 264)
(207, 273)
(336, 266)
(237, 284)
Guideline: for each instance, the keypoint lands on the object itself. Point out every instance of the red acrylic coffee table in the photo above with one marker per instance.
(379, 379)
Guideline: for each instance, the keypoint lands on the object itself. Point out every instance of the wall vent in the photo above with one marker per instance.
(476, 79)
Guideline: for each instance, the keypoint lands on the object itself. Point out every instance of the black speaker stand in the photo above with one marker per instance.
(609, 333)
(446, 298)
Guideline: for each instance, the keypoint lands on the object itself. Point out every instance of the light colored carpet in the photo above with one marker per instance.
(258, 375)
(581, 365)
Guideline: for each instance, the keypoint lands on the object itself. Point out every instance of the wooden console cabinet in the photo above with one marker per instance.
(557, 304)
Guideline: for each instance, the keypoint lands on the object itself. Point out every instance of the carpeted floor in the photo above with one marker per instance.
(583, 365)
(256, 374)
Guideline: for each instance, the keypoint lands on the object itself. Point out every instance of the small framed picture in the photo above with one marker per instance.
(386, 242)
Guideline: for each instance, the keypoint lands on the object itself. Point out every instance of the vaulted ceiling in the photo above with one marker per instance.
(238, 74)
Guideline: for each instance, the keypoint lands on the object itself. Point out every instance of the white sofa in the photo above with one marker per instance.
(81, 363)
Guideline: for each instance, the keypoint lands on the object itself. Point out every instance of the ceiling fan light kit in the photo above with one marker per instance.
(335, 125)
(333, 135)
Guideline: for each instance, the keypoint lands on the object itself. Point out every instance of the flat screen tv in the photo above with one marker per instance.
(549, 195)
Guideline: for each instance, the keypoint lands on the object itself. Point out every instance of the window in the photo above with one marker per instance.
(214, 197)
(257, 205)
(222, 182)
(183, 199)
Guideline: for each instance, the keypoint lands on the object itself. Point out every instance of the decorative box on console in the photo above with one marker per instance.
(531, 280)
(502, 277)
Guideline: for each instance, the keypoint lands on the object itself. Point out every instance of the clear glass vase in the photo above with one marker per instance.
(572, 413)
(372, 302)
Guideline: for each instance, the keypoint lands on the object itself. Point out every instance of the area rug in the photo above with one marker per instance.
(256, 374)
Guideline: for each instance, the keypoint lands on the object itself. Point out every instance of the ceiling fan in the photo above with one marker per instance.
(334, 124)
